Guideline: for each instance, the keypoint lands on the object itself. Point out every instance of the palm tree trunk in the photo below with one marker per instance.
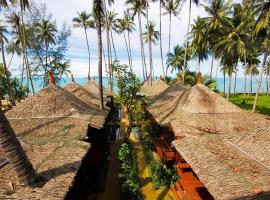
(115, 56)
(151, 60)
(266, 81)
(260, 81)
(142, 48)
(10, 61)
(1, 97)
(170, 32)
(245, 86)
(268, 84)
(224, 82)
(14, 153)
(234, 90)
(251, 84)
(212, 64)
(160, 38)
(89, 54)
(108, 53)
(186, 47)
(229, 86)
(130, 55)
(10, 92)
(25, 52)
(46, 61)
(99, 36)
(125, 38)
(149, 43)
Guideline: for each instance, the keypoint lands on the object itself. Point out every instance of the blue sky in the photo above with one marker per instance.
(64, 10)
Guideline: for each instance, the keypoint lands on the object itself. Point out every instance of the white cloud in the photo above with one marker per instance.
(64, 11)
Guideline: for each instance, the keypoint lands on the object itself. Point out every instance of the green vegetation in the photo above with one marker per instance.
(161, 175)
(263, 105)
(128, 172)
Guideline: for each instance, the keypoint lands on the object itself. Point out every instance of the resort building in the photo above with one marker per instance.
(52, 127)
(220, 151)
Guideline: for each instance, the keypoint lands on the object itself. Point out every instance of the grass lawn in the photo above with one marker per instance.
(263, 104)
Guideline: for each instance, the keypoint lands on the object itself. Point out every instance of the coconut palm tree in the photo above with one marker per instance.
(267, 76)
(151, 36)
(252, 70)
(83, 21)
(46, 33)
(161, 5)
(217, 11)
(137, 7)
(111, 21)
(98, 13)
(24, 4)
(262, 11)
(172, 7)
(130, 26)
(3, 39)
(14, 153)
(121, 28)
(199, 43)
(187, 37)
(176, 59)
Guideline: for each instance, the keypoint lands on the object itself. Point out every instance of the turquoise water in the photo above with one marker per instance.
(239, 84)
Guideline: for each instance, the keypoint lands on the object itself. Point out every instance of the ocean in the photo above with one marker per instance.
(240, 84)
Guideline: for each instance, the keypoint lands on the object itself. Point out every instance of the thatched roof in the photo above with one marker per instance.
(54, 102)
(225, 145)
(55, 151)
(157, 87)
(227, 172)
(93, 87)
(81, 93)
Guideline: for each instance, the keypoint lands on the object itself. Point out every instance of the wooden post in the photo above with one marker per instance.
(51, 78)
(199, 78)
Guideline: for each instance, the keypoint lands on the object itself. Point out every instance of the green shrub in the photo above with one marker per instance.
(128, 172)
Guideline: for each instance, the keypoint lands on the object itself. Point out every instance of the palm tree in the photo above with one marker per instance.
(252, 70)
(121, 28)
(136, 7)
(129, 27)
(172, 7)
(187, 37)
(111, 21)
(98, 13)
(151, 36)
(262, 10)
(161, 5)
(24, 4)
(199, 43)
(267, 76)
(3, 39)
(218, 10)
(176, 59)
(83, 21)
(14, 153)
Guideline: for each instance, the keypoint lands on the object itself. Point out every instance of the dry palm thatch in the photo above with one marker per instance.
(54, 103)
(85, 95)
(217, 140)
(93, 87)
(225, 171)
(55, 151)
(157, 87)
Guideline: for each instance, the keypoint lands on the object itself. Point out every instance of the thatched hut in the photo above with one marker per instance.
(149, 90)
(93, 87)
(221, 147)
(86, 96)
(50, 125)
